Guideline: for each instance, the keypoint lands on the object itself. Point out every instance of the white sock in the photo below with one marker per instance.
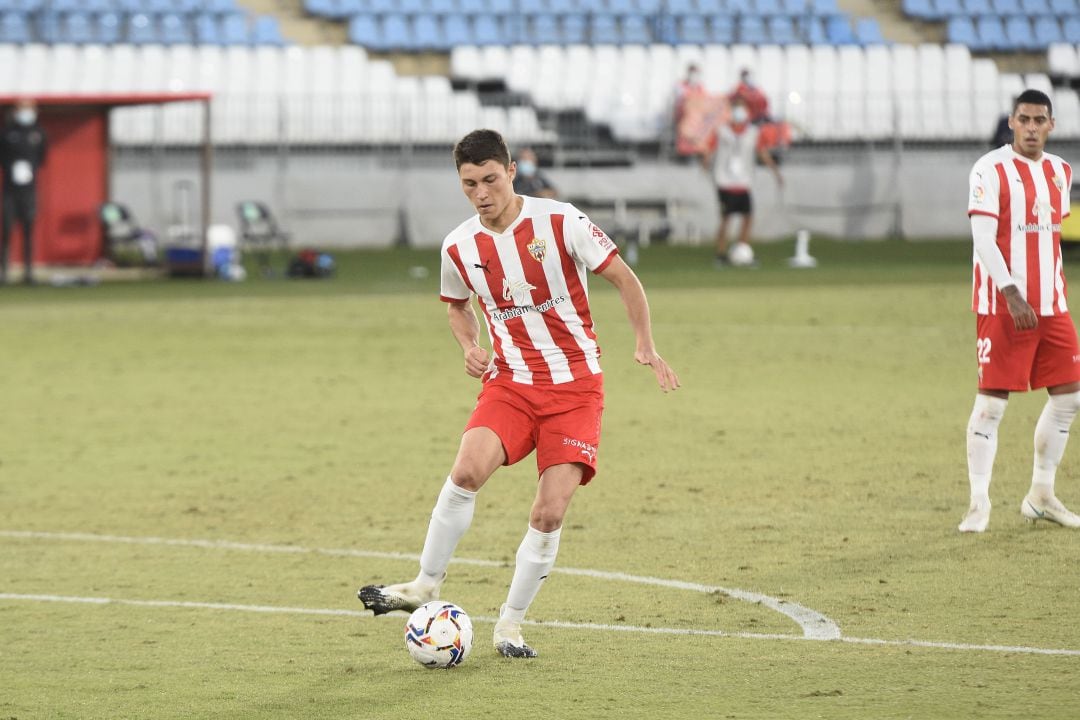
(450, 519)
(982, 442)
(535, 558)
(1051, 435)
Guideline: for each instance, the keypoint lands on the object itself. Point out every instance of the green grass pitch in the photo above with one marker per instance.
(287, 438)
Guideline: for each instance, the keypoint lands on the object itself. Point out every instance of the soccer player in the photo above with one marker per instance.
(1026, 338)
(526, 260)
(738, 144)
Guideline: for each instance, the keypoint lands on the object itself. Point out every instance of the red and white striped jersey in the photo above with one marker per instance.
(1029, 198)
(531, 285)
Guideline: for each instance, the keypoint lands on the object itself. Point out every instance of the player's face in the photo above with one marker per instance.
(490, 188)
(1031, 125)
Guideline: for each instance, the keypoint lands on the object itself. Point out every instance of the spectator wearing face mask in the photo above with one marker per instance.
(738, 143)
(22, 152)
(529, 180)
(757, 105)
(695, 115)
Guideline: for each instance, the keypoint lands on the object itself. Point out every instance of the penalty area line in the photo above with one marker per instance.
(595, 627)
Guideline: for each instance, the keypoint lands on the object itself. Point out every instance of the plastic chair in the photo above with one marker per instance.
(261, 232)
(127, 243)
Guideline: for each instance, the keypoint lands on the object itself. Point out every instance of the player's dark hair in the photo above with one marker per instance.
(479, 146)
(1033, 97)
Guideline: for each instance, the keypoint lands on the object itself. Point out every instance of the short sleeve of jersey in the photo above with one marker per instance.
(1066, 205)
(983, 190)
(452, 287)
(588, 243)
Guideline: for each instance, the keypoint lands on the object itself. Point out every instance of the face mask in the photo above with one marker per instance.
(739, 115)
(25, 116)
(694, 78)
(748, 81)
(526, 167)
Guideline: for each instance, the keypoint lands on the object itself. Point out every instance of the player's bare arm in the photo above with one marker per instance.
(1023, 314)
(619, 274)
(466, 331)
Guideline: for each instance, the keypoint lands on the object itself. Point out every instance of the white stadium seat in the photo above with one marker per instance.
(466, 62)
(851, 92)
(880, 98)
(1067, 115)
(1062, 60)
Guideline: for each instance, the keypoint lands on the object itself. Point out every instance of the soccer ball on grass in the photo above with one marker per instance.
(438, 635)
(741, 254)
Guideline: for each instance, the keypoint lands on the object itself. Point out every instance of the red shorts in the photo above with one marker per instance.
(562, 422)
(1019, 360)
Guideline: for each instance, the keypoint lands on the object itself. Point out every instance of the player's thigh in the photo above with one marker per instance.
(1005, 355)
(480, 454)
(1057, 359)
(572, 435)
(505, 413)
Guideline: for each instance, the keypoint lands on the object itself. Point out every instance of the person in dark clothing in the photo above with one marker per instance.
(22, 152)
(529, 180)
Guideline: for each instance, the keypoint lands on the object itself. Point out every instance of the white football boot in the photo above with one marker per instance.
(977, 518)
(1048, 507)
(508, 640)
(381, 599)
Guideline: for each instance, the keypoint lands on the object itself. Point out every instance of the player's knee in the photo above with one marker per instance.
(468, 476)
(1067, 402)
(547, 518)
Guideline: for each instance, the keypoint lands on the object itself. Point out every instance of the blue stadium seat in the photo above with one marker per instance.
(443, 7)
(667, 31)
(1006, 8)
(364, 31)
(992, 33)
(380, 7)
(766, 8)
(184, 7)
(411, 7)
(207, 31)
(14, 28)
(722, 30)
(108, 28)
(96, 6)
(544, 30)
(868, 32)
(838, 30)
(79, 28)
(712, 8)
(234, 29)
(575, 29)
(173, 29)
(949, 8)
(919, 9)
(648, 8)
(56, 6)
(427, 33)
(396, 33)
(620, 7)
(740, 7)
(141, 30)
(813, 30)
(1018, 31)
(48, 27)
(961, 31)
(1033, 8)
(502, 7)
(681, 7)
(974, 8)
(531, 7)
(560, 7)
(473, 7)
(491, 30)
(219, 7)
(782, 30)
(1070, 29)
(1047, 31)
(320, 8)
(266, 30)
(635, 30)
(603, 30)
(692, 30)
(1063, 8)
(458, 30)
(156, 7)
(797, 8)
(752, 31)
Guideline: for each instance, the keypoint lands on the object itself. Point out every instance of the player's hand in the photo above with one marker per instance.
(477, 361)
(664, 374)
(1023, 315)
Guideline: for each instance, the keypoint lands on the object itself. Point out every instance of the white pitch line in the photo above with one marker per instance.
(815, 626)
(542, 624)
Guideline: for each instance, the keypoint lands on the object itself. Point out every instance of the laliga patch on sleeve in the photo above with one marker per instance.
(978, 194)
(601, 237)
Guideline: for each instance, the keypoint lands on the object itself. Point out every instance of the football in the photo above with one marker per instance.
(438, 635)
(741, 254)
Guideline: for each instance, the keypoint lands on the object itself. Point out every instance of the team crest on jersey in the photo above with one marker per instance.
(538, 249)
(1059, 182)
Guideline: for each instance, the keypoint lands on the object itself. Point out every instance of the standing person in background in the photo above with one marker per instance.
(526, 260)
(738, 144)
(1026, 339)
(529, 180)
(22, 152)
(694, 116)
(757, 105)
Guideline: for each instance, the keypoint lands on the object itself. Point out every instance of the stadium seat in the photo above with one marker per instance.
(207, 31)
(234, 29)
(266, 30)
(574, 29)
(1047, 31)
(712, 8)
(1063, 8)
(395, 33)
(740, 7)
(428, 33)
(1070, 30)
(48, 27)
(838, 30)
(490, 30)
(141, 29)
(1062, 60)
(458, 32)
(721, 30)
(919, 9)
(1006, 8)
(962, 30)
(992, 34)
(603, 30)
(1033, 8)
(1066, 113)
(813, 31)
(974, 8)
(174, 30)
(752, 30)
(868, 32)
(946, 9)
(766, 8)
(1019, 34)
(411, 7)
(782, 30)
(78, 28)
(825, 8)
(443, 7)
(543, 29)
(635, 30)
(796, 8)
(364, 30)
(681, 7)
